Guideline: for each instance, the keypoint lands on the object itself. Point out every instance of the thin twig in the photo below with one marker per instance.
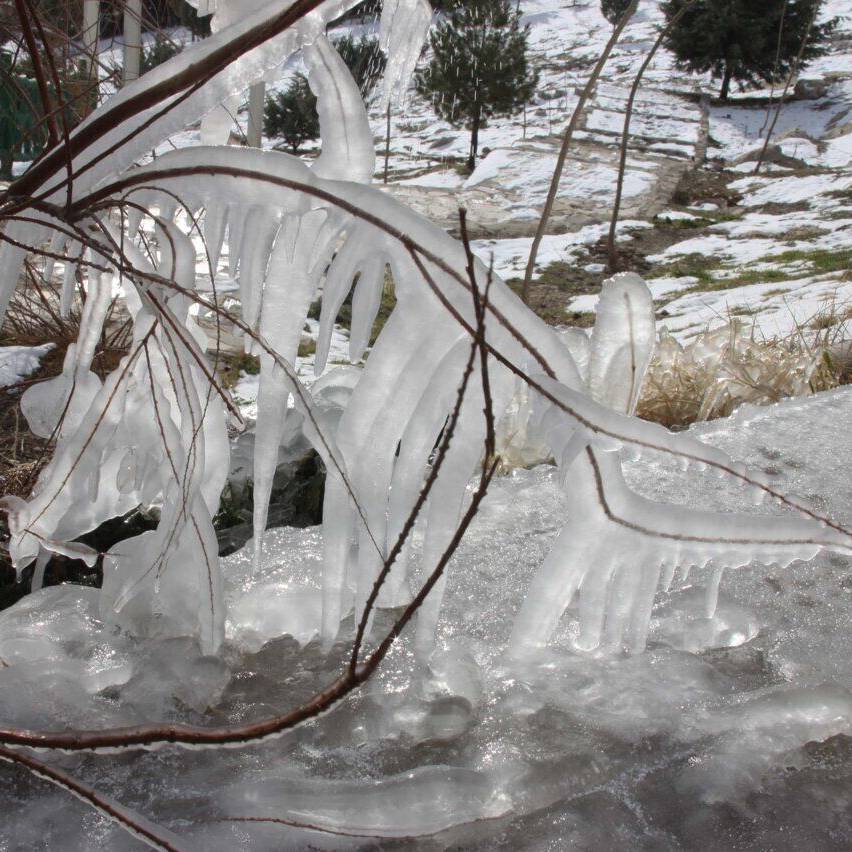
(566, 143)
(794, 69)
(612, 253)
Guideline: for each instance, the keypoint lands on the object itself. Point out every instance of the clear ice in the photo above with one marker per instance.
(154, 433)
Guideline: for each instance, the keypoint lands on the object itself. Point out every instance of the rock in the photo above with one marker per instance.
(810, 90)
(773, 155)
(296, 500)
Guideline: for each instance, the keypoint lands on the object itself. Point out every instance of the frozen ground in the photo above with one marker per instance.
(731, 732)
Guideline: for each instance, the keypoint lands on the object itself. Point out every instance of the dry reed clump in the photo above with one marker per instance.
(34, 318)
(720, 369)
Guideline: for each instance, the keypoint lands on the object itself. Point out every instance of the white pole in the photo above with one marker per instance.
(257, 96)
(132, 39)
(91, 14)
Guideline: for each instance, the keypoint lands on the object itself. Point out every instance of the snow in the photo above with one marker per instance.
(530, 173)
(18, 362)
(510, 255)
(446, 179)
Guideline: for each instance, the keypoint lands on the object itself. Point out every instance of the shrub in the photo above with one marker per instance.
(745, 40)
(292, 114)
(479, 66)
(612, 10)
(160, 51)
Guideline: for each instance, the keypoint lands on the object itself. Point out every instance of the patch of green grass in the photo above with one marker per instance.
(307, 346)
(755, 276)
(681, 224)
(230, 367)
(695, 265)
(821, 260)
(816, 261)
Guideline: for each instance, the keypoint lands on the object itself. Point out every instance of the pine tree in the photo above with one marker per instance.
(746, 40)
(612, 10)
(479, 66)
(292, 114)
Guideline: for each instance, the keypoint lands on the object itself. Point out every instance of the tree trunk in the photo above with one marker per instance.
(257, 98)
(474, 142)
(132, 40)
(726, 82)
(387, 143)
(7, 161)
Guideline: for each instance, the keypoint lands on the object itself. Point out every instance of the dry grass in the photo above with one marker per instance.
(719, 370)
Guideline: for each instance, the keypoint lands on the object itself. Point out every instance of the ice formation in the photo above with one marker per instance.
(155, 430)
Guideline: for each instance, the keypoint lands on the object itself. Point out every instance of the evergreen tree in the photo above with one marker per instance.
(292, 114)
(745, 40)
(479, 66)
(364, 59)
(612, 10)
(159, 52)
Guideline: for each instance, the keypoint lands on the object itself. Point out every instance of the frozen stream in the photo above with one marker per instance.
(727, 733)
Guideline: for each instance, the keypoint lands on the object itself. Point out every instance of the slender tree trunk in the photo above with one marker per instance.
(132, 39)
(726, 82)
(91, 16)
(91, 35)
(257, 97)
(474, 141)
(6, 163)
(387, 142)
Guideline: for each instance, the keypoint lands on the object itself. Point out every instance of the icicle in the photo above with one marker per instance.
(288, 292)
(338, 283)
(69, 279)
(610, 524)
(56, 245)
(365, 305)
(347, 151)
(402, 33)
(236, 224)
(272, 399)
(38, 574)
(712, 598)
(216, 216)
(261, 225)
(337, 543)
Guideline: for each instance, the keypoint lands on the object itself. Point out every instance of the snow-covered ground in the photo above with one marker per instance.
(728, 732)
(18, 362)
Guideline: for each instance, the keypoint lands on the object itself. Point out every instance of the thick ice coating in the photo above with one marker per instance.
(154, 432)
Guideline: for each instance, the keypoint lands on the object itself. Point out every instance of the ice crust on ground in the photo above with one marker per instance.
(730, 730)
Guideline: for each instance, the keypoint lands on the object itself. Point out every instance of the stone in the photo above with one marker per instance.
(810, 90)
